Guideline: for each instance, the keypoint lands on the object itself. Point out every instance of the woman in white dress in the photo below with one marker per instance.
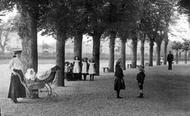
(16, 88)
(92, 71)
(76, 68)
(85, 67)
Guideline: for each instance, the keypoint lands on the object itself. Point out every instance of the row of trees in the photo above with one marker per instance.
(136, 20)
(180, 47)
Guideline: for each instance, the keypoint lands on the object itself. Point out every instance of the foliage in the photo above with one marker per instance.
(176, 45)
(156, 18)
(186, 45)
(5, 29)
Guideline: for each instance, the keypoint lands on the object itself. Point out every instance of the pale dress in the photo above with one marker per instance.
(91, 68)
(84, 67)
(76, 68)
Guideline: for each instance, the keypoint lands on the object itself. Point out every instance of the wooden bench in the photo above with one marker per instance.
(105, 69)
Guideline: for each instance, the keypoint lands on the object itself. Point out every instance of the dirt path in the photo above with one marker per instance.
(167, 93)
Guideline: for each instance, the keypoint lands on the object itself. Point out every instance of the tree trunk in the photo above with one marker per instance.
(78, 45)
(151, 53)
(134, 52)
(176, 56)
(29, 41)
(96, 51)
(185, 56)
(142, 50)
(165, 51)
(158, 49)
(123, 47)
(111, 48)
(60, 58)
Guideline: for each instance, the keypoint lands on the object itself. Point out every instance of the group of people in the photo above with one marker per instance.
(79, 69)
(119, 82)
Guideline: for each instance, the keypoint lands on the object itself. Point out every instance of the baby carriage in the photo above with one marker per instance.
(40, 86)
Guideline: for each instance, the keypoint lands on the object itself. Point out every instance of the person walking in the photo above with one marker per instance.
(16, 88)
(140, 80)
(170, 59)
(119, 83)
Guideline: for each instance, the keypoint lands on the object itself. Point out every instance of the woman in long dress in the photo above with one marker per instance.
(16, 89)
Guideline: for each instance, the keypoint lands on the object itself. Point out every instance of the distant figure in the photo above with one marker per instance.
(119, 81)
(16, 89)
(170, 59)
(76, 68)
(85, 67)
(140, 80)
(162, 60)
(91, 71)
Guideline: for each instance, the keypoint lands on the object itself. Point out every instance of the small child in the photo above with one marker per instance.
(31, 78)
(30, 74)
(77, 68)
(140, 80)
(85, 66)
(91, 69)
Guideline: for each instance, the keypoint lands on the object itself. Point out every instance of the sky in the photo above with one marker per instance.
(179, 30)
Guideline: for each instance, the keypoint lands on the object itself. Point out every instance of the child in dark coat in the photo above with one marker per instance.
(140, 80)
(119, 83)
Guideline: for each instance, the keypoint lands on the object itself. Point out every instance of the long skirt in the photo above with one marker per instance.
(119, 84)
(16, 89)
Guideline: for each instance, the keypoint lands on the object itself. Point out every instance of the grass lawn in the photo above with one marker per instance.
(167, 93)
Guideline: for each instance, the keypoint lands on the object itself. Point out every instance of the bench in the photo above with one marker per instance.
(105, 69)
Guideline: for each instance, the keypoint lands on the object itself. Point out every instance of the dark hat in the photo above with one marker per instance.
(141, 68)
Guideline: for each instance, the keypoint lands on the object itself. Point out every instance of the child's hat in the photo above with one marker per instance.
(141, 67)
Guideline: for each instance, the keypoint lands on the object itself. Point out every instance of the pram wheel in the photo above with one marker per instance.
(43, 92)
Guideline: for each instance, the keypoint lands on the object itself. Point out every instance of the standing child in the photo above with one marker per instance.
(119, 83)
(91, 69)
(85, 66)
(140, 80)
(76, 68)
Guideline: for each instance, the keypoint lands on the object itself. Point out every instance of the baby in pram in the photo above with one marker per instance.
(37, 81)
(31, 80)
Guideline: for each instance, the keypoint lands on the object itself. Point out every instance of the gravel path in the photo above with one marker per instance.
(167, 93)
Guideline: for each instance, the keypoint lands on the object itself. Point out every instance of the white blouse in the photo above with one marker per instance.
(15, 63)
